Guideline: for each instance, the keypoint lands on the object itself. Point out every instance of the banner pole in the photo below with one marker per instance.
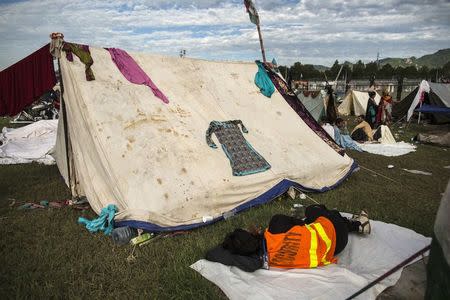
(263, 52)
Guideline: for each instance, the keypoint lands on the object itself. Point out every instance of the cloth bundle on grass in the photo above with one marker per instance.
(104, 222)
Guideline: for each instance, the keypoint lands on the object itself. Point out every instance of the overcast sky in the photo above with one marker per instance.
(310, 31)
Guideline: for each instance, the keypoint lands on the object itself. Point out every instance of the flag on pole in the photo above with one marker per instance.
(252, 12)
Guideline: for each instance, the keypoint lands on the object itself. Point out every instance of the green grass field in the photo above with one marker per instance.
(44, 253)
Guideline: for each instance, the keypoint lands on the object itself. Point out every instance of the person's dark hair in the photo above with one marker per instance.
(324, 119)
(339, 121)
(361, 116)
(372, 94)
(242, 242)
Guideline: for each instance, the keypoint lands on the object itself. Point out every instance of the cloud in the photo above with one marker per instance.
(310, 31)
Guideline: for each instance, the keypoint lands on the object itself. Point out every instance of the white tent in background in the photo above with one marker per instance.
(126, 147)
(314, 102)
(355, 103)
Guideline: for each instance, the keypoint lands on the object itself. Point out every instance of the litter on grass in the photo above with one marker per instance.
(418, 172)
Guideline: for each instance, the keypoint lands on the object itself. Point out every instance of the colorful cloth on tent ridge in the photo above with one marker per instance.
(83, 53)
(104, 222)
(133, 72)
(244, 160)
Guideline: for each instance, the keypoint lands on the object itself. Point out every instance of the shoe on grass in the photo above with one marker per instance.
(363, 218)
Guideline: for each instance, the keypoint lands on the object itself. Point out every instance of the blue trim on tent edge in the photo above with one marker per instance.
(277, 190)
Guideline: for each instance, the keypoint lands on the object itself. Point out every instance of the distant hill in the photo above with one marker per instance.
(321, 68)
(435, 60)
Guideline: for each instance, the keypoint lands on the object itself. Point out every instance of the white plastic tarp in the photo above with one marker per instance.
(397, 149)
(364, 259)
(151, 159)
(355, 102)
(31, 143)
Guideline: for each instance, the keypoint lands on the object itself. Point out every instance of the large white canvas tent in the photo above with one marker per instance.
(355, 103)
(126, 147)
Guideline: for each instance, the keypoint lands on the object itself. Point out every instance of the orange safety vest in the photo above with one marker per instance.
(306, 246)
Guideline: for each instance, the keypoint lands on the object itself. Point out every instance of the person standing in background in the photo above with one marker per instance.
(371, 110)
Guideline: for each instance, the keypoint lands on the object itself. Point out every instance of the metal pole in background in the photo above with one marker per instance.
(418, 120)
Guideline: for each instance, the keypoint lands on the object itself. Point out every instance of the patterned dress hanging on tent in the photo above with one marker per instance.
(244, 160)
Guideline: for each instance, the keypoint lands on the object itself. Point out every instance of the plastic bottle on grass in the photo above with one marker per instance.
(123, 235)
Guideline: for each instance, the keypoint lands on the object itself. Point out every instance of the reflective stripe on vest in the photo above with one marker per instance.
(313, 262)
(302, 246)
(326, 239)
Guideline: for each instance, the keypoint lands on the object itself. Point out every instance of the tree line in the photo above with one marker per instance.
(360, 70)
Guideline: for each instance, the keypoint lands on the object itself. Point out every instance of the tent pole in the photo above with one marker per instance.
(263, 52)
(418, 120)
(66, 132)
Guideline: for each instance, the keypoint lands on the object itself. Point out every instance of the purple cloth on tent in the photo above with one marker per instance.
(131, 70)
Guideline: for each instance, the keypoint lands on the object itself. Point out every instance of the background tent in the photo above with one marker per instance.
(439, 96)
(355, 103)
(127, 147)
(314, 102)
(25, 81)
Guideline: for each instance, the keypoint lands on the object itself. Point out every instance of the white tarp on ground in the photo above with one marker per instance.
(151, 159)
(364, 259)
(30, 143)
(355, 102)
(397, 149)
